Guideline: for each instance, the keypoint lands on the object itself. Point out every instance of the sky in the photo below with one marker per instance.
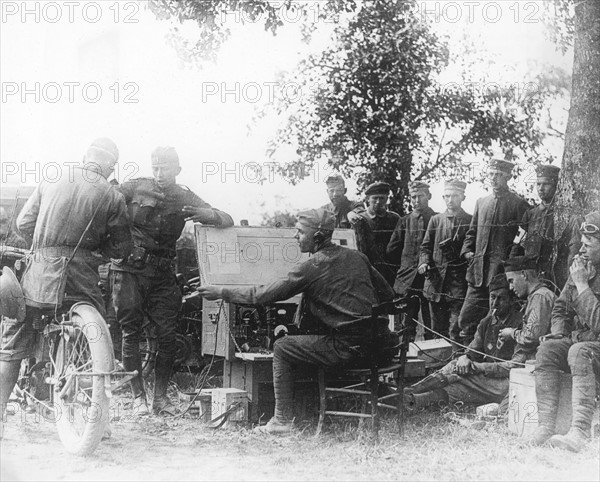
(74, 71)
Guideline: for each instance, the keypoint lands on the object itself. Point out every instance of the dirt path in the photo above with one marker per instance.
(155, 449)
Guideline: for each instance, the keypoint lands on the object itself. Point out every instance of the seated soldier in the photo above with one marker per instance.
(339, 288)
(476, 377)
(572, 346)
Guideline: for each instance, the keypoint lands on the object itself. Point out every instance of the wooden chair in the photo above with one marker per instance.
(368, 379)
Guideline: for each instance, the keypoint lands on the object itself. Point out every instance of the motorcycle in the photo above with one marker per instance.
(73, 363)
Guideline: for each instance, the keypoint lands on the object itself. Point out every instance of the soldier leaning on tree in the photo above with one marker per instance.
(445, 272)
(488, 243)
(537, 238)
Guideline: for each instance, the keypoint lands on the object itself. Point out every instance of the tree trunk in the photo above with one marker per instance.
(579, 184)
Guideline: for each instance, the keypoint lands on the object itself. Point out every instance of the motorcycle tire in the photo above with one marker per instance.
(82, 412)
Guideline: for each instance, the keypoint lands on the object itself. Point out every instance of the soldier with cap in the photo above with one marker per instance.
(380, 225)
(403, 250)
(339, 204)
(537, 239)
(478, 375)
(445, 284)
(144, 283)
(71, 221)
(488, 243)
(572, 346)
(339, 288)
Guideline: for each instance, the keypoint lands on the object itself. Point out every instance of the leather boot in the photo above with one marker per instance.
(414, 401)
(547, 391)
(9, 374)
(584, 391)
(140, 403)
(161, 405)
(430, 382)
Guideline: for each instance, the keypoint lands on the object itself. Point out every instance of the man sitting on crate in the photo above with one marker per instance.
(339, 288)
(572, 346)
(476, 377)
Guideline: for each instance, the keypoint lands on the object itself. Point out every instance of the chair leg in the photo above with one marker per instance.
(322, 400)
(374, 381)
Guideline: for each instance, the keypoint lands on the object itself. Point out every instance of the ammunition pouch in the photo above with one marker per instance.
(140, 258)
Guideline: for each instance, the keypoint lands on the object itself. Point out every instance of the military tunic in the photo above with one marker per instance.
(341, 212)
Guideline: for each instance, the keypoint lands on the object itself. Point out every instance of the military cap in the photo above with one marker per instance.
(591, 225)
(520, 263)
(335, 179)
(106, 146)
(498, 282)
(418, 186)
(548, 170)
(501, 165)
(378, 188)
(317, 219)
(455, 184)
(164, 155)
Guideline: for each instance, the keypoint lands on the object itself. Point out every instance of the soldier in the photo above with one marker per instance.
(537, 239)
(445, 272)
(380, 224)
(476, 377)
(339, 288)
(403, 250)
(572, 346)
(340, 205)
(144, 283)
(68, 220)
(488, 243)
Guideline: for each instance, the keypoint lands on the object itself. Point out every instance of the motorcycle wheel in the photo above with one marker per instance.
(81, 402)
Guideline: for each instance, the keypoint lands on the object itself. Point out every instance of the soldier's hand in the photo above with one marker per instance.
(506, 334)
(580, 273)
(464, 366)
(353, 217)
(210, 292)
(422, 269)
(469, 255)
(202, 215)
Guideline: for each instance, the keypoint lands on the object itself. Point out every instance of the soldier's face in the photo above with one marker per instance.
(546, 188)
(498, 179)
(306, 238)
(500, 301)
(590, 249)
(165, 173)
(377, 203)
(517, 282)
(453, 199)
(336, 193)
(420, 199)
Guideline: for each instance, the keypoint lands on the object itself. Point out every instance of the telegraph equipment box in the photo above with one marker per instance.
(244, 256)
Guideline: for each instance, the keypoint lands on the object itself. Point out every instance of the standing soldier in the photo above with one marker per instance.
(144, 283)
(68, 221)
(445, 272)
(381, 224)
(488, 243)
(554, 255)
(340, 205)
(403, 250)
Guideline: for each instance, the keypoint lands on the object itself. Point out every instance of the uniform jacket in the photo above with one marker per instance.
(578, 315)
(341, 212)
(491, 234)
(539, 242)
(339, 288)
(156, 215)
(486, 337)
(447, 270)
(405, 246)
(380, 229)
(55, 218)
